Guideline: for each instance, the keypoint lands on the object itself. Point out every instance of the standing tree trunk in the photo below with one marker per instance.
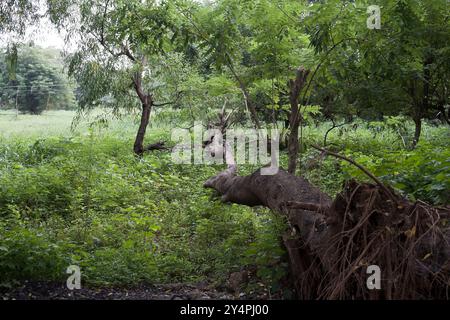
(295, 117)
(147, 103)
(423, 105)
(248, 101)
(293, 145)
(145, 119)
(417, 131)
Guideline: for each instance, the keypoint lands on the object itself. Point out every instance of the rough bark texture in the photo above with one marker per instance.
(331, 243)
(273, 191)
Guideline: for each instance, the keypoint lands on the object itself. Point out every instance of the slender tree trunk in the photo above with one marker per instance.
(423, 106)
(147, 103)
(145, 119)
(248, 101)
(17, 102)
(295, 118)
(417, 131)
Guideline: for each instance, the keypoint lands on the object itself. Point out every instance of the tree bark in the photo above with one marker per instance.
(295, 118)
(145, 119)
(417, 131)
(147, 103)
(422, 106)
(273, 191)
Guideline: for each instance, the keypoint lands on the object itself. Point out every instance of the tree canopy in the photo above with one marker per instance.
(35, 81)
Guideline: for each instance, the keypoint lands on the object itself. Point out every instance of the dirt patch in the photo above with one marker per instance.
(59, 291)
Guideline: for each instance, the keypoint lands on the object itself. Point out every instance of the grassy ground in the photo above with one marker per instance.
(54, 123)
(81, 197)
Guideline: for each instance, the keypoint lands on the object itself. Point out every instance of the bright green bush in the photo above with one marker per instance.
(123, 220)
(423, 173)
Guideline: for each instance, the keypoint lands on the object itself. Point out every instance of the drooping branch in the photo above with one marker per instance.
(177, 99)
(363, 169)
(124, 50)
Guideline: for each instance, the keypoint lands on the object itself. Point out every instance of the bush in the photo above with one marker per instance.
(123, 220)
(29, 255)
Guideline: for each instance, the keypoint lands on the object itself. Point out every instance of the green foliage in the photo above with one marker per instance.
(15, 16)
(86, 200)
(31, 80)
(401, 69)
(421, 174)
(121, 45)
(267, 253)
(253, 46)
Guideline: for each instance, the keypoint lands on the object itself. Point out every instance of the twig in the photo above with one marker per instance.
(335, 126)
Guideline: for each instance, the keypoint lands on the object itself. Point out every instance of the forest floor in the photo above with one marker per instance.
(59, 291)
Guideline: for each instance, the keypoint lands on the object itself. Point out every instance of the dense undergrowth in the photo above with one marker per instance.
(83, 198)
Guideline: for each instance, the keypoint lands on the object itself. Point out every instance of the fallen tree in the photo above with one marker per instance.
(330, 243)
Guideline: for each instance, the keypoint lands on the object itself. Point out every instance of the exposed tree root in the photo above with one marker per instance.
(408, 241)
(331, 244)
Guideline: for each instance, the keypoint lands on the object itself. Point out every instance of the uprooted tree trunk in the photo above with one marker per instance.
(331, 243)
